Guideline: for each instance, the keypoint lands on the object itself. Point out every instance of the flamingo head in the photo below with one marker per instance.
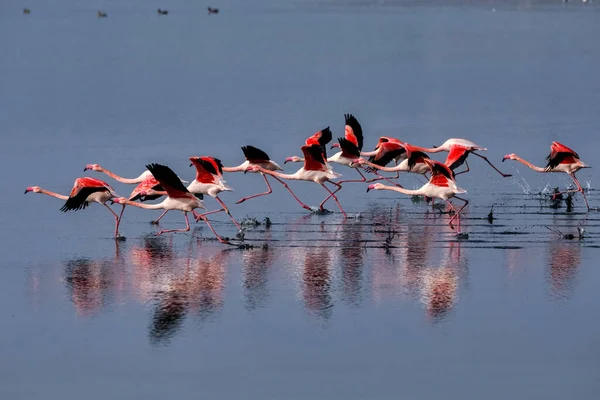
(333, 146)
(194, 160)
(35, 189)
(375, 186)
(93, 167)
(512, 156)
(118, 200)
(292, 159)
(252, 168)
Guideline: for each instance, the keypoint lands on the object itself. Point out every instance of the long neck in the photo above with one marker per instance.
(158, 206)
(402, 190)
(429, 150)
(387, 169)
(278, 174)
(368, 153)
(121, 179)
(58, 196)
(530, 165)
(239, 168)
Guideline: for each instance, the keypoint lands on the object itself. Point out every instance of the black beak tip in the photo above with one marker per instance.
(368, 190)
(25, 191)
(191, 164)
(504, 159)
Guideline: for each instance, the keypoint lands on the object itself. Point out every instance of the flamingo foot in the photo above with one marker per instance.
(240, 201)
(154, 222)
(462, 235)
(120, 238)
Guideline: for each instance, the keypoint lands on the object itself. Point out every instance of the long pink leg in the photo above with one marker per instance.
(219, 238)
(257, 195)
(355, 180)
(492, 165)
(579, 189)
(228, 212)
(159, 218)
(292, 193)
(187, 226)
(339, 187)
(334, 197)
(457, 214)
(117, 219)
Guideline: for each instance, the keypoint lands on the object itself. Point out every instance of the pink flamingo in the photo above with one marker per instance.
(85, 190)
(560, 159)
(351, 145)
(321, 138)
(315, 169)
(178, 198)
(441, 185)
(209, 180)
(255, 156)
(458, 150)
(415, 162)
(95, 167)
(388, 149)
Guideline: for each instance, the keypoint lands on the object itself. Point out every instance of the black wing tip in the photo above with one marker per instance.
(349, 147)
(251, 152)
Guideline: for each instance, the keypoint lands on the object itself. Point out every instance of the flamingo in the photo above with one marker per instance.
(351, 145)
(209, 180)
(321, 138)
(255, 156)
(315, 169)
(458, 150)
(96, 167)
(85, 190)
(441, 185)
(560, 159)
(415, 161)
(178, 198)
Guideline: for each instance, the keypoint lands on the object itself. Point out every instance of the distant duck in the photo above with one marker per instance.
(101, 14)
(162, 12)
(26, 11)
(213, 10)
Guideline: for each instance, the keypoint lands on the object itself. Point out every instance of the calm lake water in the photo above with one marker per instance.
(319, 307)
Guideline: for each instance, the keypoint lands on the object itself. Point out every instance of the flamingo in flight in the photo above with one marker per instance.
(178, 198)
(560, 159)
(255, 156)
(315, 169)
(458, 150)
(209, 180)
(441, 185)
(85, 190)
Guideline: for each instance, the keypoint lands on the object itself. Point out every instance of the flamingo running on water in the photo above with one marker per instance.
(321, 138)
(255, 156)
(441, 185)
(146, 183)
(560, 159)
(209, 180)
(458, 150)
(178, 198)
(85, 190)
(351, 145)
(315, 169)
(415, 161)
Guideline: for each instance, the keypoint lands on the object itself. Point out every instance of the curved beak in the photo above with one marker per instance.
(333, 146)
(370, 187)
(28, 190)
(191, 164)
(289, 159)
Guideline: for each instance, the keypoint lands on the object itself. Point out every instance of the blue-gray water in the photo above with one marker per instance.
(323, 311)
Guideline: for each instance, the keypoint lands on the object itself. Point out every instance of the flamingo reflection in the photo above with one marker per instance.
(256, 265)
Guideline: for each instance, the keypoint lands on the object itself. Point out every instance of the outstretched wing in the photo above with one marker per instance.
(168, 180)
(255, 155)
(353, 131)
(456, 156)
(320, 138)
(416, 157)
(560, 154)
(349, 149)
(314, 159)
